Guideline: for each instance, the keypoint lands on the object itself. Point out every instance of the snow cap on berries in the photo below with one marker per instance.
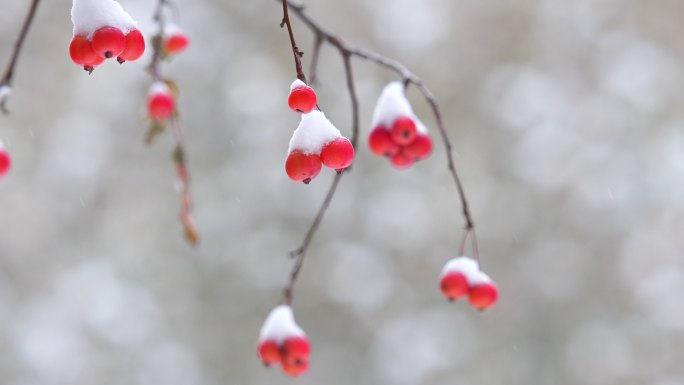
(393, 104)
(159, 87)
(314, 132)
(280, 325)
(90, 15)
(466, 266)
(297, 83)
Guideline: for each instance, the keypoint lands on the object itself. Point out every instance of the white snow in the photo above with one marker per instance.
(90, 15)
(393, 104)
(159, 87)
(171, 29)
(2, 145)
(297, 83)
(468, 267)
(314, 132)
(280, 325)
(5, 92)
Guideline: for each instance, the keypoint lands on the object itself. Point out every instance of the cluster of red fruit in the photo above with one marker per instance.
(161, 101)
(403, 143)
(5, 160)
(283, 342)
(316, 142)
(105, 43)
(175, 40)
(462, 276)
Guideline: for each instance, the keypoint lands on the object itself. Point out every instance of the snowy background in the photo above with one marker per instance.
(568, 121)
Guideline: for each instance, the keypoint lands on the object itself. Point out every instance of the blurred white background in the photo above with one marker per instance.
(568, 123)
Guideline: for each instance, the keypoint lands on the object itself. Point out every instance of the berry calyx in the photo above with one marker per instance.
(483, 295)
(135, 46)
(454, 285)
(176, 42)
(302, 98)
(5, 161)
(381, 142)
(269, 352)
(302, 167)
(81, 51)
(108, 42)
(160, 102)
(404, 130)
(420, 148)
(338, 154)
(296, 368)
(401, 160)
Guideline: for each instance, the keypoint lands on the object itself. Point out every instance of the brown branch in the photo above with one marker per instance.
(315, 56)
(295, 50)
(6, 81)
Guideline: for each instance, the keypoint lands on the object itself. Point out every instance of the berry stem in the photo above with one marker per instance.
(9, 72)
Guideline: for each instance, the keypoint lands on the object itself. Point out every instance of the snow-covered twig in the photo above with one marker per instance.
(6, 81)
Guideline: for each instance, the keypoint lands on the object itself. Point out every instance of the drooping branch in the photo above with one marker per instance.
(6, 81)
(295, 50)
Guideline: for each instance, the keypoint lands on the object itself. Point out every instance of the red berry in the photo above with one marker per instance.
(295, 368)
(302, 99)
(296, 349)
(381, 142)
(108, 42)
(160, 105)
(269, 352)
(421, 148)
(401, 161)
(302, 167)
(454, 285)
(5, 162)
(338, 154)
(483, 295)
(135, 46)
(404, 130)
(176, 42)
(81, 51)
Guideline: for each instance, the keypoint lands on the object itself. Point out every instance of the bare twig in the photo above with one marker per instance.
(295, 50)
(6, 81)
(313, 70)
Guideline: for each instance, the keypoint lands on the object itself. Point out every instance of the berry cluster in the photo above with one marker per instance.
(5, 160)
(161, 101)
(282, 341)
(316, 142)
(462, 276)
(397, 133)
(103, 30)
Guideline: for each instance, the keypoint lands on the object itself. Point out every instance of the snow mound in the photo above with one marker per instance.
(280, 325)
(90, 15)
(393, 104)
(468, 267)
(314, 132)
(159, 87)
(297, 83)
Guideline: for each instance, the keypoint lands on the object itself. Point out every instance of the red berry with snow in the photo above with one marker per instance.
(135, 46)
(302, 167)
(401, 160)
(420, 148)
(483, 295)
(108, 42)
(160, 101)
(81, 51)
(5, 161)
(381, 142)
(454, 285)
(404, 130)
(269, 352)
(338, 154)
(302, 97)
(175, 42)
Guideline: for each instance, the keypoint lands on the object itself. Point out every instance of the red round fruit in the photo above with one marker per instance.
(5, 162)
(296, 368)
(269, 352)
(302, 167)
(483, 295)
(401, 161)
(404, 130)
(381, 142)
(338, 154)
(420, 148)
(302, 99)
(454, 285)
(135, 46)
(81, 51)
(108, 42)
(175, 43)
(160, 105)
(296, 349)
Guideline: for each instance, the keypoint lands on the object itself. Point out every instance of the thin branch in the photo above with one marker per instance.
(6, 82)
(295, 50)
(315, 56)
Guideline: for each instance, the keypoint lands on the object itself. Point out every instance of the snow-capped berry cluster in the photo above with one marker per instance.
(161, 101)
(397, 133)
(282, 341)
(462, 276)
(175, 40)
(103, 30)
(316, 142)
(5, 160)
